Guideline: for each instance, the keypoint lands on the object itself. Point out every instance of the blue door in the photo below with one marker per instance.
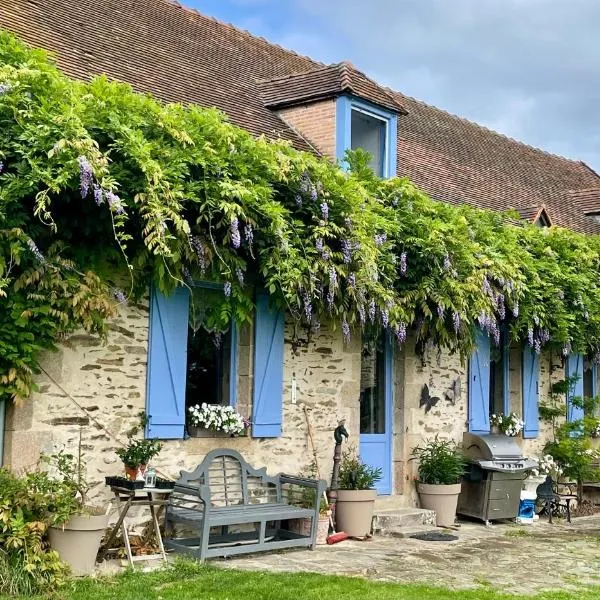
(376, 408)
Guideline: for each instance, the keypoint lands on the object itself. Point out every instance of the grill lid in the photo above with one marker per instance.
(490, 447)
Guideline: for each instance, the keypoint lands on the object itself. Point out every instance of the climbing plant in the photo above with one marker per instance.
(104, 191)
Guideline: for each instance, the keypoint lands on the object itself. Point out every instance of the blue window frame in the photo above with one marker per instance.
(168, 361)
(380, 132)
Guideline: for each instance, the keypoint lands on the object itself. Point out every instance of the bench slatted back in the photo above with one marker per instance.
(232, 480)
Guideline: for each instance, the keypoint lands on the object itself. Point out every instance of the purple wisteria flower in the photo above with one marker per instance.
(1, 166)
(307, 307)
(333, 278)
(298, 199)
(441, 311)
(325, 255)
(86, 176)
(447, 263)
(490, 326)
(515, 309)
(5, 87)
(530, 337)
(486, 288)
(385, 318)
(98, 194)
(566, 349)
(346, 251)
(537, 345)
(305, 182)
(400, 331)
(544, 336)
(114, 202)
(235, 233)
(227, 289)
(596, 358)
(361, 314)
(240, 275)
(187, 276)
(35, 251)
(330, 297)
(380, 239)
(456, 321)
(248, 234)
(319, 244)
(372, 310)
(313, 193)
(325, 211)
(119, 296)
(501, 306)
(198, 248)
(352, 280)
(346, 331)
(348, 222)
(403, 263)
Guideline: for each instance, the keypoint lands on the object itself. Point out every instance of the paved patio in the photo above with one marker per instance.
(517, 559)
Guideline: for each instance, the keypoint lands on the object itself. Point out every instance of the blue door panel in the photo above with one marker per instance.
(531, 370)
(574, 367)
(479, 385)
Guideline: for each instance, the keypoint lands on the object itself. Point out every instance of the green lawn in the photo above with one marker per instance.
(187, 580)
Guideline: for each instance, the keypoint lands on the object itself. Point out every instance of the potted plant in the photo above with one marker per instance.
(356, 495)
(441, 466)
(509, 425)
(76, 528)
(136, 456)
(210, 420)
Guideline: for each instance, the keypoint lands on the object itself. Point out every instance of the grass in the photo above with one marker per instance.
(188, 580)
(518, 533)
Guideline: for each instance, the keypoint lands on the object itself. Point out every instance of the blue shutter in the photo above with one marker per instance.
(267, 400)
(575, 367)
(167, 364)
(479, 385)
(531, 370)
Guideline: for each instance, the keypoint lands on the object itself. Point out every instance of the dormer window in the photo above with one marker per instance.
(368, 132)
(360, 124)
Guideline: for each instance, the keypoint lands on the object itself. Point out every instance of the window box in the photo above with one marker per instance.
(202, 432)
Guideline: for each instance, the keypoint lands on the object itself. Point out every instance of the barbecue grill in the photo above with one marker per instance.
(491, 487)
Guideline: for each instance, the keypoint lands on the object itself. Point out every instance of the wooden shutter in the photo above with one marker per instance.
(575, 367)
(531, 370)
(479, 386)
(267, 404)
(167, 364)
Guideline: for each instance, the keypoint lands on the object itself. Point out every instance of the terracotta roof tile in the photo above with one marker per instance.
(588, 200)
(325, 82)
(179, 55)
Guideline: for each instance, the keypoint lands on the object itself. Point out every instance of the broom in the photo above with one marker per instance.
(340, 536)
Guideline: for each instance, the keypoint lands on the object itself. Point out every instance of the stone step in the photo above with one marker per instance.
(402, 521)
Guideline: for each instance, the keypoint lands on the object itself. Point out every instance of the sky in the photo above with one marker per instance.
(529, 69)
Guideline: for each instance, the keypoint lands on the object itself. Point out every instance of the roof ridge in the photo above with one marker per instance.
(489, 129)
(245, 32)
(344, 70)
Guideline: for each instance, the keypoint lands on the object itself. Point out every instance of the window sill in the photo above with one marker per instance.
(201, 432)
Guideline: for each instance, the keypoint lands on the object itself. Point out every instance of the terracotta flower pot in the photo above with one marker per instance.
(131, 472)
(443, 499)
(354, 511)
(78, 541)
(322, 530)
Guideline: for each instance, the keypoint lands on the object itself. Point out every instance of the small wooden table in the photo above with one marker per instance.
(126, 498)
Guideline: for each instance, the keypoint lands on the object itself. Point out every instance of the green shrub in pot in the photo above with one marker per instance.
(441, 466)
(356, 495)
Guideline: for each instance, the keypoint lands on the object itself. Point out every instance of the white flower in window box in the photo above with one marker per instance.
(510, 425)
(207, 420)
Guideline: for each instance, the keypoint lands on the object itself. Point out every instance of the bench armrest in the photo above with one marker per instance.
(201, 491)
(303, 481)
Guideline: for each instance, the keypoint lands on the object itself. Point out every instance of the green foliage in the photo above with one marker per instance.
(139, 452)
(98, 181)
(441, 462)
(355, 474)
(27, 566)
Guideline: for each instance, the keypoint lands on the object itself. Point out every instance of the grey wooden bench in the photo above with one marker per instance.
(226, 507)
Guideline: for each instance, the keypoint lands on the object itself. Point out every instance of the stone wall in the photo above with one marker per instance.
(109, 382)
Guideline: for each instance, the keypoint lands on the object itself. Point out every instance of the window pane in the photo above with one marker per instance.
(368, 133)
(587, 378)
(372, 386)
(497, 368)
(208, 352)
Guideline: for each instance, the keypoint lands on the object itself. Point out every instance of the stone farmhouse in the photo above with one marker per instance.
(391, 398)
